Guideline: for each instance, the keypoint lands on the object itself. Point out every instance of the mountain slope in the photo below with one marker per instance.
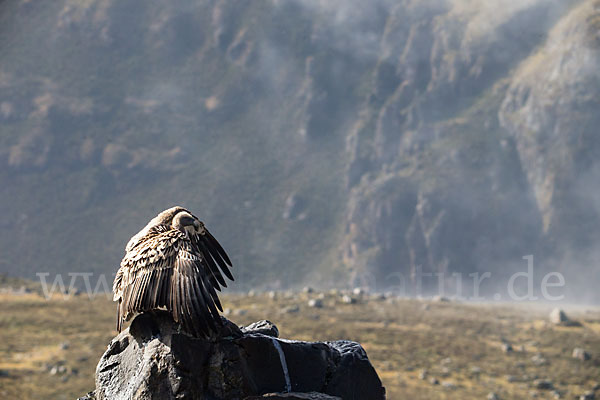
(329, 142)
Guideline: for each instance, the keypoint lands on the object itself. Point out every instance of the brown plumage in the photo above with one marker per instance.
(174, 264)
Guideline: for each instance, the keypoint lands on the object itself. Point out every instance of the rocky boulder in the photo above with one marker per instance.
(154, 360)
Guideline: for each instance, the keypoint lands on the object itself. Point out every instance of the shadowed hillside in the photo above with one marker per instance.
(336, 142)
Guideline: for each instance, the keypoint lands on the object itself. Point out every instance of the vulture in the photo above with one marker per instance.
(173, 264)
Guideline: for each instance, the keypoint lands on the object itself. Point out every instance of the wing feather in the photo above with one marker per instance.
(200, 304)
(211, 248)
(156, 283)
(218, 247)
(193, 306)
(211, 266)
(188, 267)
(148, 297)
(209, 307)
(138, 289)
(169, 269)
(137, 280)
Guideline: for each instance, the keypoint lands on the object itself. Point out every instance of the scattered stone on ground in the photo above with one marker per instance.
(538, 359)
(506, 347)
(291, 309)
(588, 396)
(448, 385)
(492, 396)
(581, 354)
(58, 370)
(543, 384)
(348, 299)
(558, 316)
(15, 291)
(315, 303)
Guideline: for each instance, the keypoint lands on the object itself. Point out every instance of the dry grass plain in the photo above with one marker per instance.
(49, 348)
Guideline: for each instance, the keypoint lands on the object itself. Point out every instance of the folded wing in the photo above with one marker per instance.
(170, 270)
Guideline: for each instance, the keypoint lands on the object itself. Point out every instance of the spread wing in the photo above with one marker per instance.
(170, 270)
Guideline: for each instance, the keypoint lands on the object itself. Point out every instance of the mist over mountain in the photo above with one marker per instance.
(336, 143)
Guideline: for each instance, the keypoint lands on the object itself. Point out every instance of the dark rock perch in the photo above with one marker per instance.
(153, 360)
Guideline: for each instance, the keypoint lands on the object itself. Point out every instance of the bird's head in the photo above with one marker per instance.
(177, 217)
(186, 222)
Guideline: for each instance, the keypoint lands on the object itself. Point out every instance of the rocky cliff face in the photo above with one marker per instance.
(347, 140)
(153, 360)
(431, 153)
(548, 110)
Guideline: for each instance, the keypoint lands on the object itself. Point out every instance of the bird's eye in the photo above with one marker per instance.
(186, 221)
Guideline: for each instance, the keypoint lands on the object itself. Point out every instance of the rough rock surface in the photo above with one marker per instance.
(153, 360)
(264, 327)
(295, 396)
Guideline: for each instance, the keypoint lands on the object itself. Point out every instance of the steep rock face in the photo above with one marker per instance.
(152, 360)
(551, 110)
(446, 135)
(435, 182)
(224, 107)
